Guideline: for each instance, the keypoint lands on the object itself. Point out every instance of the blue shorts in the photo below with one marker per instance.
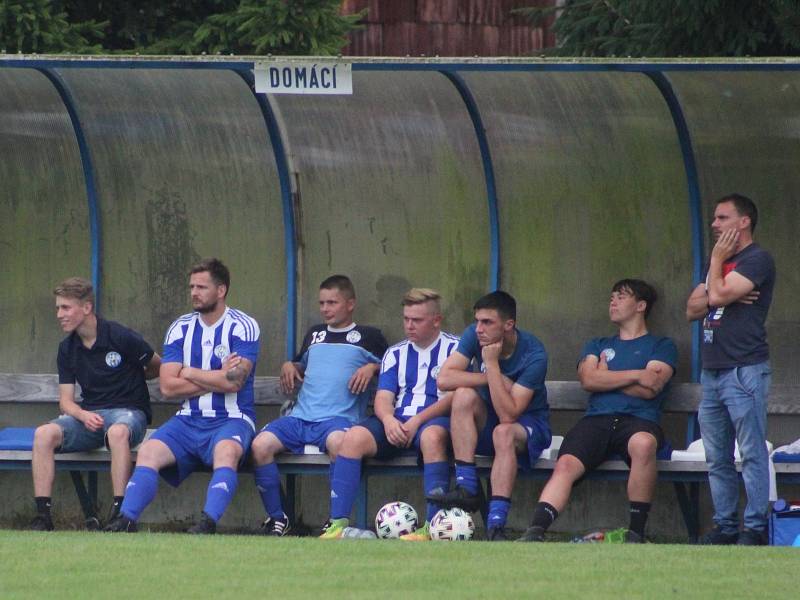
(538, 432)
(385, 448)
(295, 433)
(192, 440)
(79, 439)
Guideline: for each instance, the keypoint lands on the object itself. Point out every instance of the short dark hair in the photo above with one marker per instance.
(216, 269)
(501, 301)
(744, 206)
(341, 283)
(77, 288)
(641, 290)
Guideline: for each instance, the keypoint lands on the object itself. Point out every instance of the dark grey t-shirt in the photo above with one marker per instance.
(735, 335)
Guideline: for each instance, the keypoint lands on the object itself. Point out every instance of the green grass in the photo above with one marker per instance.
(157, 565)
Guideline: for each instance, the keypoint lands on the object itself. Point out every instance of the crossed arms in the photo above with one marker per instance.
(646, 383)
(178, 381)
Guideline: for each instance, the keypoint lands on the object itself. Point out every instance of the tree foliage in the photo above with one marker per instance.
(40, 26)
(655, 28)
(280, 27)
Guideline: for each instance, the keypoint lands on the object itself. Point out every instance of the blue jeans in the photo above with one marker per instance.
(735, 404)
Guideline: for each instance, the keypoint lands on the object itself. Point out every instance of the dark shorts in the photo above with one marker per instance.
(598, 438)
(192, 440)
(385, 448)
(296, 433)
(538, 433)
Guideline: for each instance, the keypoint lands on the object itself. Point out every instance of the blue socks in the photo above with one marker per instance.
(344, 486)
(140, 492)
(467, 476)
(498, 511)
(268, 483)
(435, 475)
(221, 489)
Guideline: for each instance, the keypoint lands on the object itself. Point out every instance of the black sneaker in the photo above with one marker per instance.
(458, 497)
(717, 537)
(205, 526)
(121, 524)
(93, 524)
(532, 534)
(275, 527)
(496, 534)
(752, 537)
(41, 523)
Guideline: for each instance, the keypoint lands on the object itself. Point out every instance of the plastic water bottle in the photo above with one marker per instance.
(359, 534)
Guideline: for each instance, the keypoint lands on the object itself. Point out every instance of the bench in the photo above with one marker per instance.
(683, 399)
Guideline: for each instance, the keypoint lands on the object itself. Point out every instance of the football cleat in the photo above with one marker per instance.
(275, 527)
(422, 534)
(532, 534)
(41, 523)
(496, 534)
(121, 524)
(334, 529)
(205, 526)
(458, 497)
(93, 524)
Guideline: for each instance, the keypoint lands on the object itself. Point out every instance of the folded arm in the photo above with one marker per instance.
(454, 374)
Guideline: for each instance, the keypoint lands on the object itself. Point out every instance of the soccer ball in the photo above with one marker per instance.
(395, 519)
(452, 524)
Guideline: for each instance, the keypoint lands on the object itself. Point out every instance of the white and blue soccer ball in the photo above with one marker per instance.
(395, 519)
(452, 524)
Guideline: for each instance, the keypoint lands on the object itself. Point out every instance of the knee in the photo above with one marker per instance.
(503, 438)
(333, 443)
(464, 401)
(146, 455)
(568, 468)
(354, 444)
(47, 437)
(642, 447)
(433, 440)
(264, 448)
(118, 435)
(227, 453)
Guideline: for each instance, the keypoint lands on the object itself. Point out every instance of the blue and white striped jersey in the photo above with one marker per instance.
(409, 372)
(193, 344)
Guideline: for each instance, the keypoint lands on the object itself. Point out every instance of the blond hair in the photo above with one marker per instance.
(76, 288)
(421, 296)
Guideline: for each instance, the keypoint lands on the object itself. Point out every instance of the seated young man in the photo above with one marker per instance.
(110, 362)
(336, 363)
(409, 412)
(500, 411)
(209, 359)
(626, 374)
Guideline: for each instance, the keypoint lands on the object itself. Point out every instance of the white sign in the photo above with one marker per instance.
(304, 78)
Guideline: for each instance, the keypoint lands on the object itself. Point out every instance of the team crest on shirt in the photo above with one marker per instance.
(113, 359)
(609, 354)
(221, 352)
(435, 371)
(353, 337)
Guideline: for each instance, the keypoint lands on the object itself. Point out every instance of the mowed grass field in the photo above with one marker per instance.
(161, 565)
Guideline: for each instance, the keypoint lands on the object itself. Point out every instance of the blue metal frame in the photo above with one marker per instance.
(88, 176)
(664, 86)
(488, 173)
(289, 233)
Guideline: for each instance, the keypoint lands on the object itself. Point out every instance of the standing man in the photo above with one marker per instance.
(626, 375)
(733, 303)
(500, 410)
(336, 363)
(111, 363)
(209, 358)
(409, 413)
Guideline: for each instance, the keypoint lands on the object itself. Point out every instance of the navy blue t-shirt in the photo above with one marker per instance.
(628, 355)
(526, 366)
(735, 335)
(330, 357)
(111, 372)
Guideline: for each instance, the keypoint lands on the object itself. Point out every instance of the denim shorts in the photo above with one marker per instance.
(79, 439)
